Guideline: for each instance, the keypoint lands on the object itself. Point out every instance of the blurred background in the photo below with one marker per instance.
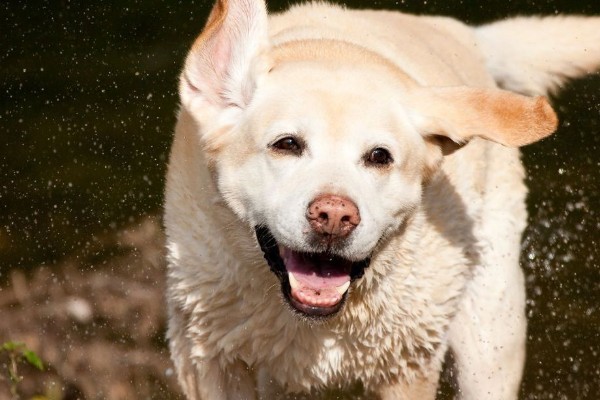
(87, 106)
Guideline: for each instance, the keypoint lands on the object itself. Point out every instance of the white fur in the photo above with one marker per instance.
(536, 55)
(444, 239)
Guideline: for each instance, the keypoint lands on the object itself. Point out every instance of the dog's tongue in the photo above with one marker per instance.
(317, 280)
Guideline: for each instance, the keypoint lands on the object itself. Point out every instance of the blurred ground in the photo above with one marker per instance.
(98, 322)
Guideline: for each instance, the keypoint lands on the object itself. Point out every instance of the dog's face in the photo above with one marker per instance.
(312, 138)
(324, 147)
(326, 163)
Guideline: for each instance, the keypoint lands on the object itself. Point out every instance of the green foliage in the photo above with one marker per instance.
(18, 353)
(33, 359)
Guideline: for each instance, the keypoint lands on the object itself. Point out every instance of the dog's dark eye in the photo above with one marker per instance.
(289, 145)
(379, 157)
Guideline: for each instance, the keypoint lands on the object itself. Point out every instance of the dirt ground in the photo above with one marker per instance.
(97, 320)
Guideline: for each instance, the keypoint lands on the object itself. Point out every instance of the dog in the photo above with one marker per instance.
(345, 199)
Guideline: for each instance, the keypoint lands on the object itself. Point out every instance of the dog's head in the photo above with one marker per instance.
(323, 146)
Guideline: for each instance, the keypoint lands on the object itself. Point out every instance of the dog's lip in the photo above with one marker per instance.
(300, 290)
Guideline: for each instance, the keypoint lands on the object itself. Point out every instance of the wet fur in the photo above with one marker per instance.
(443, 226)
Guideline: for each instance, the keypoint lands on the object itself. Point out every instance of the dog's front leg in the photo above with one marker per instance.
(207, 378)
(488, 335)
(210, 380)
(234, 382)
(421, 388)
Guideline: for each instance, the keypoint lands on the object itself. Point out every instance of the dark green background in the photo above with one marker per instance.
(88, 102)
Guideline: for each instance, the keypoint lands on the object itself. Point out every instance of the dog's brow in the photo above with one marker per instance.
(329, 51)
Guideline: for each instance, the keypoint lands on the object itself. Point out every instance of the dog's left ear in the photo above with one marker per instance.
(218, 71)
(449, 117)
(462, 113)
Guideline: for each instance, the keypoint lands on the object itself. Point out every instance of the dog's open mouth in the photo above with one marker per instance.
(315, 284)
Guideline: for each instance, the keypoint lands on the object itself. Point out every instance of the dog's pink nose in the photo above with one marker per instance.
(332, 216)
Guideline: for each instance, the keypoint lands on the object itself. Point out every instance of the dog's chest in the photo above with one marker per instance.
(301, 357)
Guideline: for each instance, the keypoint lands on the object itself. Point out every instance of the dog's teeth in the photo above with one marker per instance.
(342, 289)
(293, 281)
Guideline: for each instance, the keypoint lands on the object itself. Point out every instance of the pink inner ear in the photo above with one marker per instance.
(206, 66)
(210, 80)
(218, 67)
(220, 53)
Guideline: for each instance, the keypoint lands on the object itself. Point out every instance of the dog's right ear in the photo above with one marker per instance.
(219, 69)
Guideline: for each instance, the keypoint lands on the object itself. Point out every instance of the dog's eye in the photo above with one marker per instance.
(379, 157)
(289, 145)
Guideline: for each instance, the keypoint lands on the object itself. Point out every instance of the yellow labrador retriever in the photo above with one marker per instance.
(345, 199)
